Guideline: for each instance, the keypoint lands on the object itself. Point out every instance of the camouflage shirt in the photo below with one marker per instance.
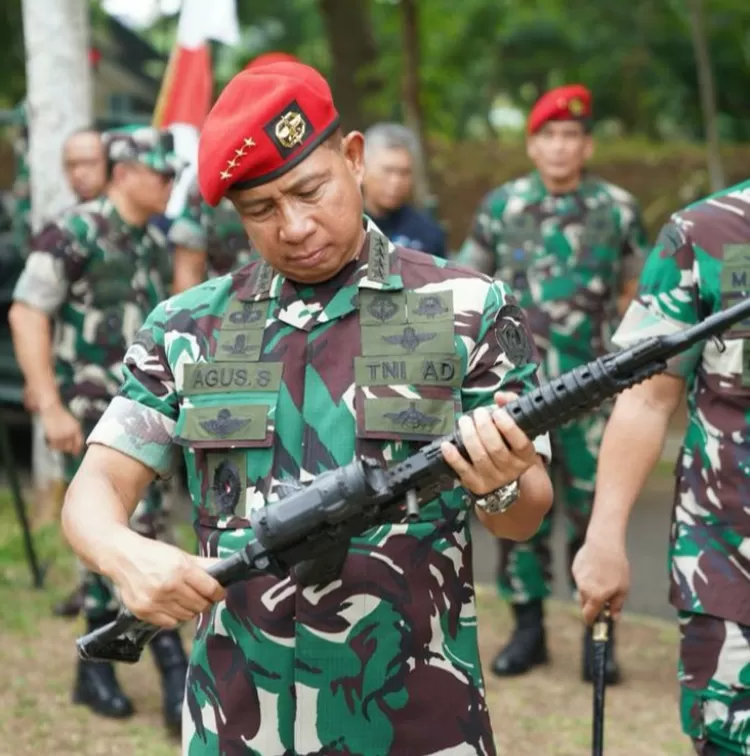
(700, 265)
(263, 381)
(98, 277)
(22, 198)
(565, 257)
(216, 230)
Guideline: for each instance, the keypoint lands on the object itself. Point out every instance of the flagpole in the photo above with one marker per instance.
(166, 84)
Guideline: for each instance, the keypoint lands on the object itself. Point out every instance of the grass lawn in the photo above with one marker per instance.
(545, 713)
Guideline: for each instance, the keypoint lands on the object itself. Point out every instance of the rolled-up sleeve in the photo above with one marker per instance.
(56, 260)
(189, 228)
(668, 298)
(140, 420)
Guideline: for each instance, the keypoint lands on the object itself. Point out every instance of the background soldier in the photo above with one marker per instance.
(208, 241)
(570, 244)
(274, 374)
(699, 265)
(85, 166)
(390, 151)
(96, 272)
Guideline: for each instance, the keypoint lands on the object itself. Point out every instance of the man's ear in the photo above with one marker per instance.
(588, 148)
(117, 172)
(531, 148)
(353, 150)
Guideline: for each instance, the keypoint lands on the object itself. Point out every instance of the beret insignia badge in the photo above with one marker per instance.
(575, 106)
(289, 129)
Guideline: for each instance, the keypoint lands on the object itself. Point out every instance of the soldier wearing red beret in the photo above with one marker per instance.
(335, 345)
(571, 245)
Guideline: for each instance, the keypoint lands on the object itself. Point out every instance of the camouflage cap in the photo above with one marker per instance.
(144, 144)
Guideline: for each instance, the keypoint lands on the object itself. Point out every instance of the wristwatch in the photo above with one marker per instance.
(500, 500)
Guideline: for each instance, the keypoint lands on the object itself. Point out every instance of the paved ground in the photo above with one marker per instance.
(647, 538)
(647, 545)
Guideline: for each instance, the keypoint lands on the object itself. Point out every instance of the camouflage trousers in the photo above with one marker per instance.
(714, 674)
(150, 519)
(525, 569)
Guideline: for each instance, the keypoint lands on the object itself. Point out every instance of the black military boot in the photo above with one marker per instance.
(71, 606)
(172, 662)
(97, 687)
(612, 668)
(527, 646)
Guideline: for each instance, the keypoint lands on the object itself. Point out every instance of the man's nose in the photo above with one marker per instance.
(296, 224)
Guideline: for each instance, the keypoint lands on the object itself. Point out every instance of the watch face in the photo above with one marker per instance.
(499, 501)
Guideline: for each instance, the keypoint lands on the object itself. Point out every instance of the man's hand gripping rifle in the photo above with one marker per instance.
(344, 503)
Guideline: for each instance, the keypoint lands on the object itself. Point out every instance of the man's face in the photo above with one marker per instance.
(388, 179)
(308, 223)
(560, 149)
(85, 165)
(147, 189)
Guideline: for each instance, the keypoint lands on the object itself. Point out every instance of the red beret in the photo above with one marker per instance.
(271, 57)
(571, 103)
(267, 120)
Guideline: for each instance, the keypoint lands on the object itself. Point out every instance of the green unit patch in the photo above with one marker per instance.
(218, 424)
(430, 370)
(735, 280)
(228, 483)
(408, 339)
(231, 378)
(409, 417)
(382, 307)
(428, 308)
(243, 346)
(245, 315)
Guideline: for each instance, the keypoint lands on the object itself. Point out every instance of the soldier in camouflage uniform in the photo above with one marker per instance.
(570, 244)
(21, 191)
(85, 167)
(96, 272)
(208, 241)
(337, 344)
(699, 265)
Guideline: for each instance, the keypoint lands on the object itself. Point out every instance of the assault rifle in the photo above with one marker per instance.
(344, 503)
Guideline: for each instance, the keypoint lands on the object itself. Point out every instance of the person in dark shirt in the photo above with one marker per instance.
(390, 150)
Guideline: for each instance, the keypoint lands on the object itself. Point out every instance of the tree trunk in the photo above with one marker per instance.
(56, 35)
(707, 93)
(413, 114)
(354, 53)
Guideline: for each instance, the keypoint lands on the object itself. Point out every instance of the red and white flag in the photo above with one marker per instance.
(186, 90)
(185, 95)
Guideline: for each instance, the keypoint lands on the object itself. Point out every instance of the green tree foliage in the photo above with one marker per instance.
(637, 58)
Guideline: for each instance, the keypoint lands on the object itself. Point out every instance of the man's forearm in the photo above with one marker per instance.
(525, 516)
(627, 293)
(32, 343)
(631, 447)
(95, 521)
